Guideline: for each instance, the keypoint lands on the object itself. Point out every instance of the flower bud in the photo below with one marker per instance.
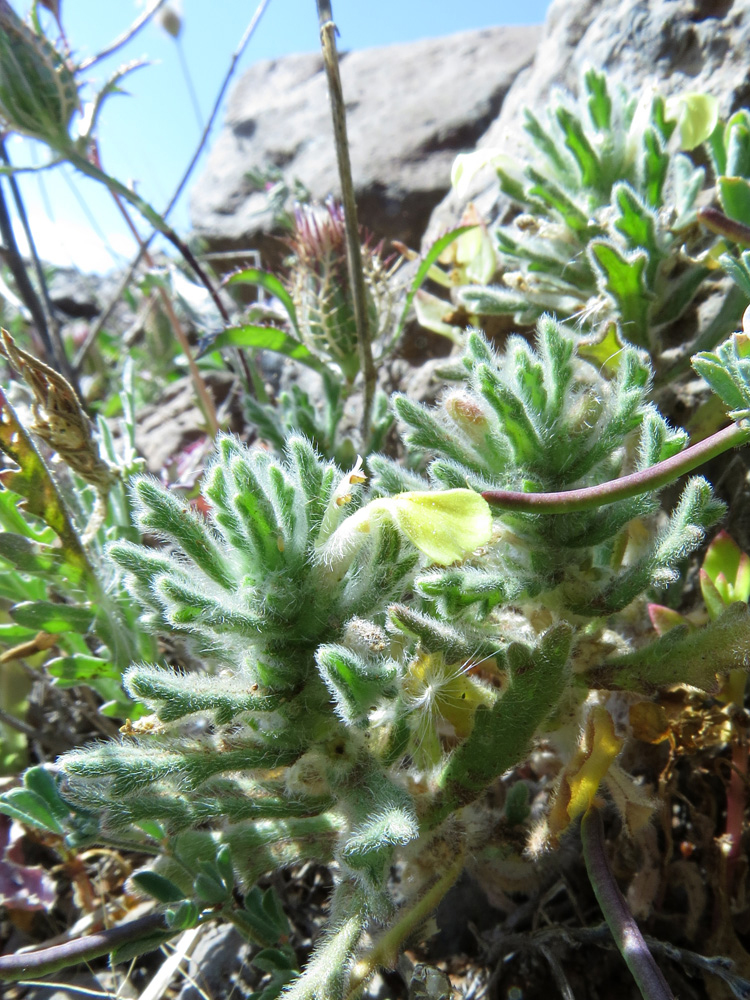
(38, 93)
(467, 413)
(320, 287)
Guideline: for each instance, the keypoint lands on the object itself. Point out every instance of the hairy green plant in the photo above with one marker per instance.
(395, 638)
(608, 223)
(369, 648)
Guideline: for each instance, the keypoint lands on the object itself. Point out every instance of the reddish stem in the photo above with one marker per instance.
(736, 799)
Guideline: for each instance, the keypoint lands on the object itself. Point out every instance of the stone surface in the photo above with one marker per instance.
(411, 108)
(215, 964)
(676, 45)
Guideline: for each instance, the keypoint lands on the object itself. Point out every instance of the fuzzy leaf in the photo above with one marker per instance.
(502, 735)
(162, 889)
(579, 145)
(30, 808)
(734, 194)
(682, 656)
(599, 102)
(623, 278)
(727, 371)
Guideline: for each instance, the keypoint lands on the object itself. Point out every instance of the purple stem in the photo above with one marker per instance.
(624, 929)
(652, 478)
(47, 960)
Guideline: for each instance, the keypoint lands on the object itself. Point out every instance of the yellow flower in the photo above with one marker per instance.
(585, 771)
(446, 526)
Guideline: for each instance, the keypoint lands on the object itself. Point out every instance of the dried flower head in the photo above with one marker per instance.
(61, 423)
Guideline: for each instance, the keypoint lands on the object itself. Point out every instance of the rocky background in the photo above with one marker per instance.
(413, 107)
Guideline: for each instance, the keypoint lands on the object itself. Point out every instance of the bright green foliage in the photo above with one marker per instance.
(544, 420)
(727, 371)
(607, 230)
(368, 651)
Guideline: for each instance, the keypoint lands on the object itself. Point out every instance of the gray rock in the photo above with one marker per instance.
(215, 964)
(676, 45)
(411, 108)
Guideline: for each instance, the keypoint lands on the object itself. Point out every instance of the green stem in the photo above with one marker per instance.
(653, 478)
(205, 400)
(385, 952)
(353, 245)
(625, 931)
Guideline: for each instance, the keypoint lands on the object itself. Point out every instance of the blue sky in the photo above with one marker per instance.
(149, 135)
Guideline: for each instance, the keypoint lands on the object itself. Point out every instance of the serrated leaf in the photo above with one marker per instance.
(599, 102)
(623, 278)
(583, 152)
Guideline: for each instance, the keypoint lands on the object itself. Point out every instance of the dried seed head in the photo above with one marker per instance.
(59, 420)
(38, 92)
(169, 17)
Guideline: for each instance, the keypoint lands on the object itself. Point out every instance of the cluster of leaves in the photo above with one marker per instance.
(372, 647)
(607, 214)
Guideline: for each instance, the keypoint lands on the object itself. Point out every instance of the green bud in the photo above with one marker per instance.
(38, 93)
